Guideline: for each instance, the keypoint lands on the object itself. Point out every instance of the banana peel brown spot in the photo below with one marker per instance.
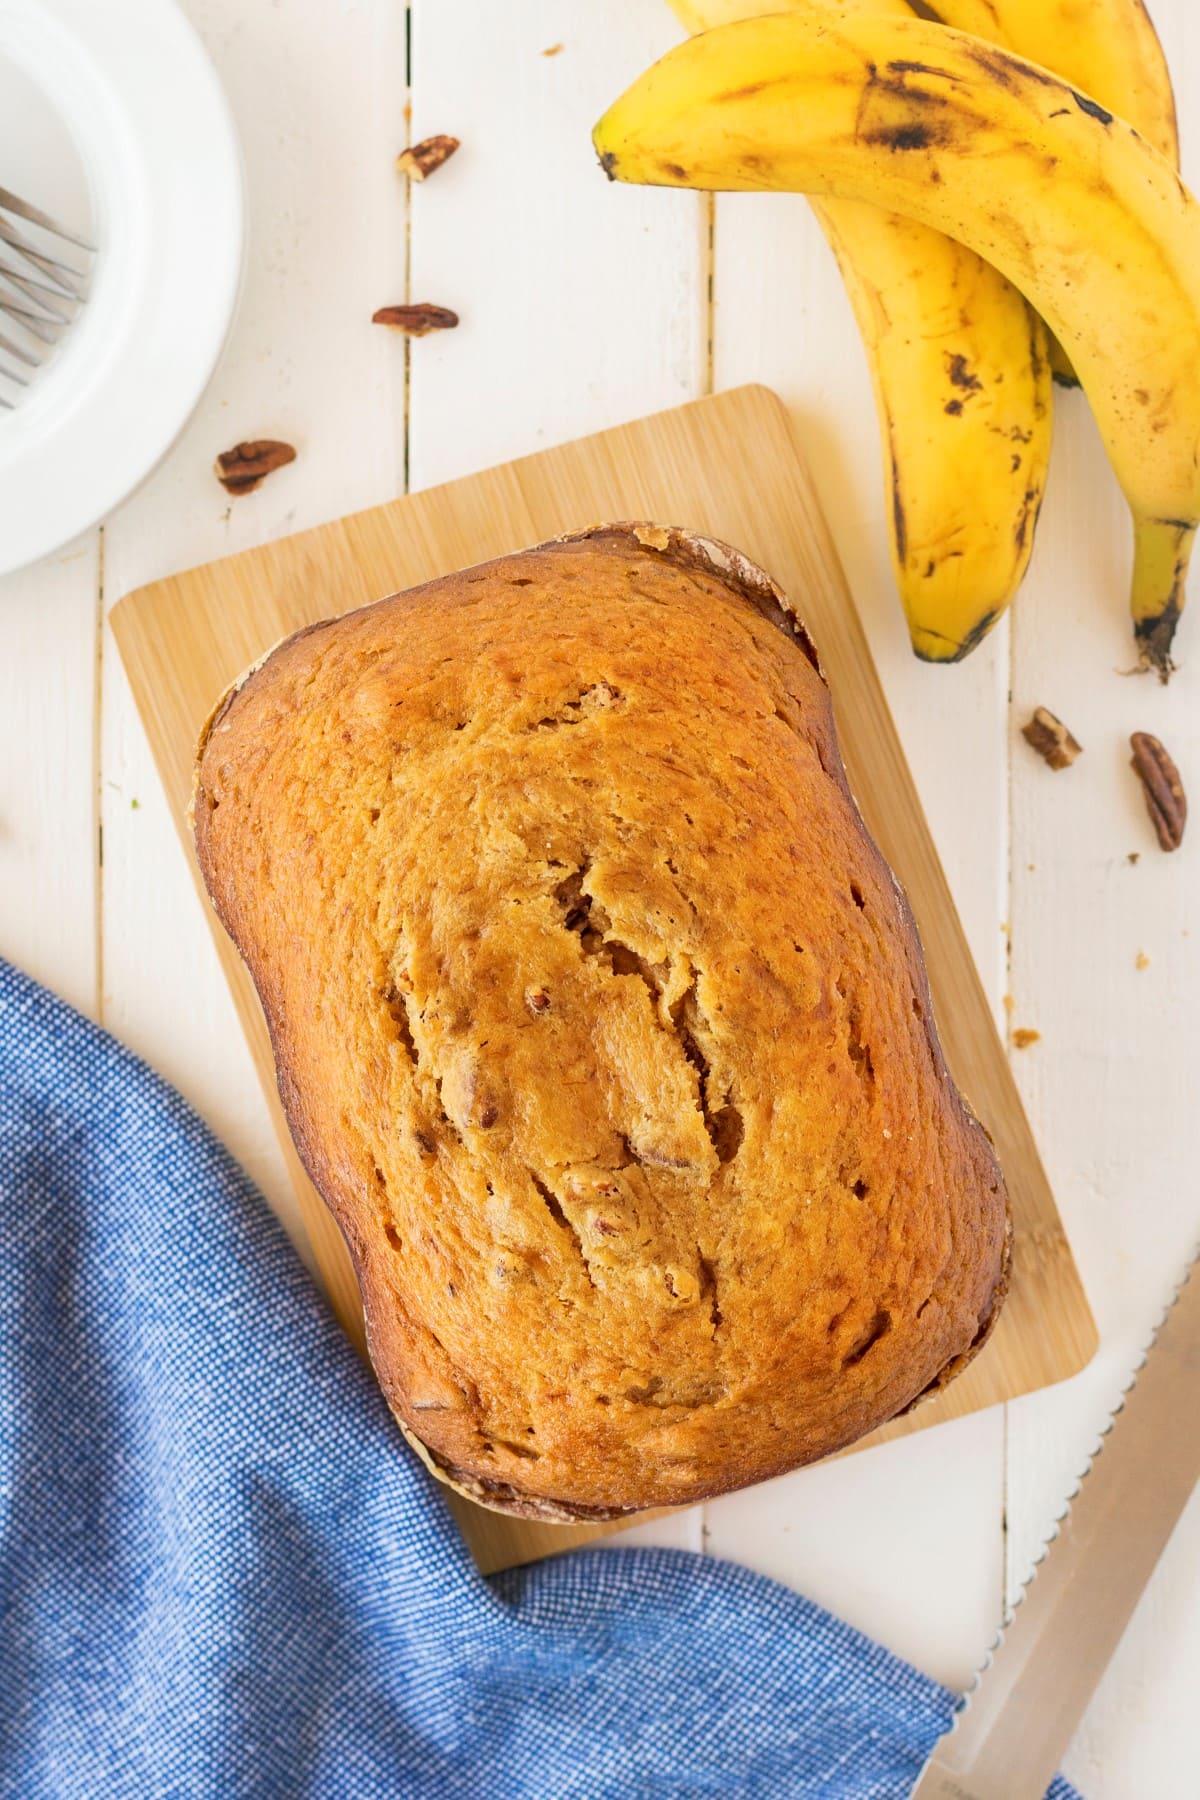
(961, 375)
(899, 520)
(957, 651)
(1092, 108)
(1027, 517)
(899, 67)
(960, 372)
(998, 66)
(921, 120)
(977, 633)
(954, 653)
(911, 135)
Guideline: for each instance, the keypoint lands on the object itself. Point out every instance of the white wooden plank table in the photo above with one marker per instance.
(581, 305)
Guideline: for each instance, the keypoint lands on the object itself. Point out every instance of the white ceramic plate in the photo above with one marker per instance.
(156, 141)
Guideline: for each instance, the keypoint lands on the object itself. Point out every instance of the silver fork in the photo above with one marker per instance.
(41, 290)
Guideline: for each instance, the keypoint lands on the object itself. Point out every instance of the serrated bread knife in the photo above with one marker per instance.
(1009, 1739)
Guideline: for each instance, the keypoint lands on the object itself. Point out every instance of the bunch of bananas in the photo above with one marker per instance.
(976, 203)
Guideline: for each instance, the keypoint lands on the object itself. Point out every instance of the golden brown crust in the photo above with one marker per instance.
(601, 1025)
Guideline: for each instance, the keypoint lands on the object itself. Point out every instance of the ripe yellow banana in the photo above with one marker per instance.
(1106, 48)
(960, 371)
(1091, 223)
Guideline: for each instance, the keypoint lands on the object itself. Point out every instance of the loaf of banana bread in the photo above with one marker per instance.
(601, 1024)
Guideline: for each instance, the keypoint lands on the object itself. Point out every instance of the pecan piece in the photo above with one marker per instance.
(1051, 739)
(420, 160)
(248, 464)
(1166, 801)
(417, 320)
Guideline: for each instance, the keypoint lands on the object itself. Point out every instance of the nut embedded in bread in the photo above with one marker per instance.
(601, 1025)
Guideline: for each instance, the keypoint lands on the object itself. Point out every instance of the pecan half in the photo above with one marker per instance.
(420, 160)
(1051, 739)
(417, 320)
(248, 464)
(1166, 801)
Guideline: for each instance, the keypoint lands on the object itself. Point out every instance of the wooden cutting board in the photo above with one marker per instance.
(729, 466)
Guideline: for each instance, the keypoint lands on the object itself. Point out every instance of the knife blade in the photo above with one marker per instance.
(1009, 1738)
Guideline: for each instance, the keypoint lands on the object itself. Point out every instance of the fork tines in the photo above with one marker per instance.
(44, 275)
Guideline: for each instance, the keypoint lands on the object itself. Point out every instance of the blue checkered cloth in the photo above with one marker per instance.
(223, 1574)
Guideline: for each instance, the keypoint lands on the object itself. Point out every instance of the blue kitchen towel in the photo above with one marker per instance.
(223, 1573)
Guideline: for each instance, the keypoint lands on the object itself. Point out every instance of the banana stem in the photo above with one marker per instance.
(1162, 551)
